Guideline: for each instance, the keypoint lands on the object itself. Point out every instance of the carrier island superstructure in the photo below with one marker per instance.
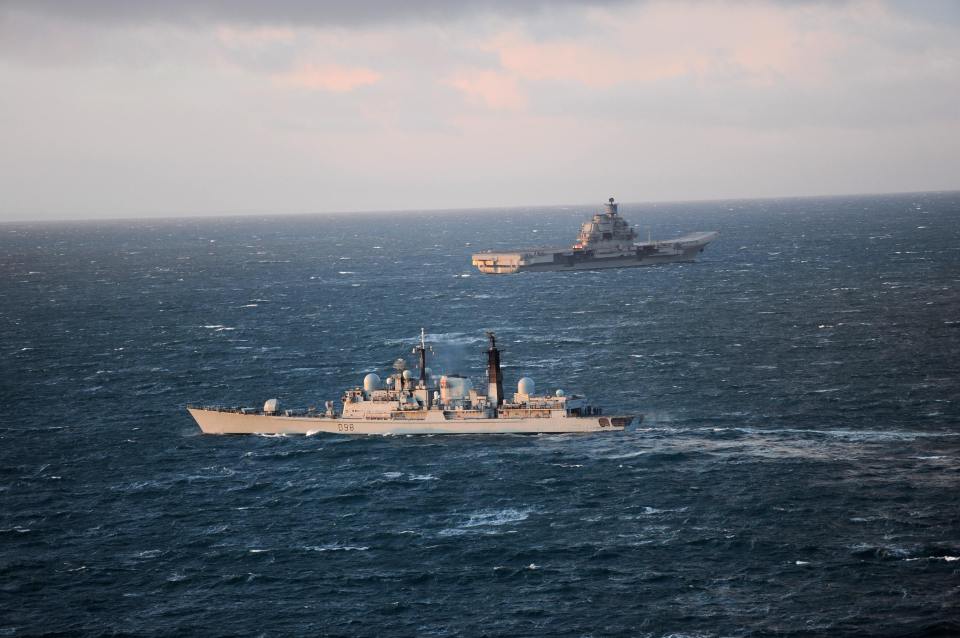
(606, 241)
(403, 404)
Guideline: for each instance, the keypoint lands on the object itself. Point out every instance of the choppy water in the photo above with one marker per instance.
(797, 473)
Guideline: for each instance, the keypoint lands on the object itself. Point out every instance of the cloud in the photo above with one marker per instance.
(217, 106)
(591, 64)
(288, 12)
(256, 36)
(495, 90)
(328, 77)
(660, 41)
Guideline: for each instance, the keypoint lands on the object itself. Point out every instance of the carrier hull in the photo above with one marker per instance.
(231, 421)
(681, 249)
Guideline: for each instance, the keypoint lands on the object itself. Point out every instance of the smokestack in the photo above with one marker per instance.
(494, 374)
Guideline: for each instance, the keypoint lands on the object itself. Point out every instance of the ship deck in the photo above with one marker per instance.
(689, 238)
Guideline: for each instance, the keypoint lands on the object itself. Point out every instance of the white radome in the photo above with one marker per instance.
(371, 382)
(526, 386)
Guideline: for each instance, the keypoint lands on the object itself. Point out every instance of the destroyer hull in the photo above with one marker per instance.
(232, 422)
(683, 249)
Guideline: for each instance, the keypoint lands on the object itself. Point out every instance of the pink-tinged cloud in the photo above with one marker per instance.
(749, 43)
(336, 79)
(586, 64)
(493, 89)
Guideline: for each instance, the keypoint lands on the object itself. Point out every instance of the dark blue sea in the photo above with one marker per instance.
(797, 473)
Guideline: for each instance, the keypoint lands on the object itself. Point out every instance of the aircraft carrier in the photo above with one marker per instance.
(426, 404)
(606, 241)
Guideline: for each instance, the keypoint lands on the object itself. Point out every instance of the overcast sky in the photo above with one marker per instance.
(126, 108)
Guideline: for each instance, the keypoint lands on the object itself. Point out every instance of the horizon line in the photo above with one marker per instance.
(458, 209)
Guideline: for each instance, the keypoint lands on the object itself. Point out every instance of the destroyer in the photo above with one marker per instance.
(425, 405)
(606, 241)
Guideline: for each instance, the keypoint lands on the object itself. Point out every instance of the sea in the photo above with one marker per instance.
(797, 471)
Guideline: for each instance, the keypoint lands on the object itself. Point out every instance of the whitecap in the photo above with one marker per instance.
(334, 547)
(628, 455)
(476, 522)
(948, 559)
(497, 517)
(16, 528)
(653, 510)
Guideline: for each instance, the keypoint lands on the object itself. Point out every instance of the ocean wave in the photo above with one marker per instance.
(490, 518)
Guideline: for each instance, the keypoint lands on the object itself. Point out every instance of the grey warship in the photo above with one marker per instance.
(402, 404)
(606, 241)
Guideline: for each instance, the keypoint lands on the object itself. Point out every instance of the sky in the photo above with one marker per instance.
(136, 108)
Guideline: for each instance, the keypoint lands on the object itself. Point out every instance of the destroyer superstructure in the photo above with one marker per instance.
(402, 404)
(606, 241)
